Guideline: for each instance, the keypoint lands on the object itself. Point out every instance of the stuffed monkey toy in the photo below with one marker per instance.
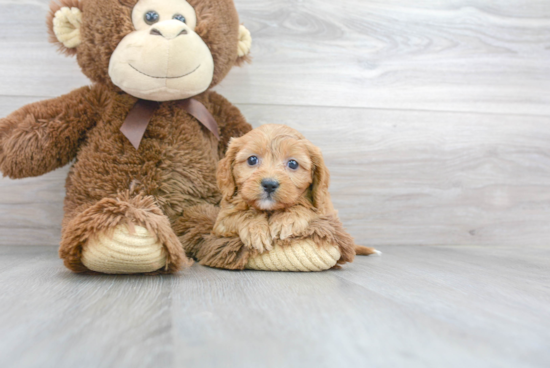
(144, 138)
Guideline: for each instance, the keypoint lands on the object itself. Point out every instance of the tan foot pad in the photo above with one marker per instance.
(120, 252)
(302, 256)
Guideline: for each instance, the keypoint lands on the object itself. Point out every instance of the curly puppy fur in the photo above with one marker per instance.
(252, 221)
(175, 166)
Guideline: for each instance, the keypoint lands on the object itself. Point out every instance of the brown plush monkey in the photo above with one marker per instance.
(143, 151)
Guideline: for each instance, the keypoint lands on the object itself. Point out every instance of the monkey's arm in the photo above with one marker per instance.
(45, 135)
(230, 120)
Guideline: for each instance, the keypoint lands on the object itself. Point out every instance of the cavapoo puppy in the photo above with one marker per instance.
(276, 212)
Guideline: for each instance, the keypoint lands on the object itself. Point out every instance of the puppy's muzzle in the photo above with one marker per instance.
(270, 186)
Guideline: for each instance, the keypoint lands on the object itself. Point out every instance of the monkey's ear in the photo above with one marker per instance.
(245, 43)
(64, 22)
(226, 180)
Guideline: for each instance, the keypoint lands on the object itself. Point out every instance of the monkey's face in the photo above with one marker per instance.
(163, 59)
(151, 49)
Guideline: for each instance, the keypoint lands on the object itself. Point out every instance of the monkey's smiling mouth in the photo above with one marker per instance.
(152, 76)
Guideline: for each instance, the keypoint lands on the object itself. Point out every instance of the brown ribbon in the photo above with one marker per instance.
(140, 115)
(201, 113)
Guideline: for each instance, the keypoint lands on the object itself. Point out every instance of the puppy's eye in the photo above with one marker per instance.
(253, 160)
(151, 17)
(179, 17)
(292, 164)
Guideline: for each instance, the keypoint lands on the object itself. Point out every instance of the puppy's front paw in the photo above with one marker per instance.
(287, 224)
(256, 235)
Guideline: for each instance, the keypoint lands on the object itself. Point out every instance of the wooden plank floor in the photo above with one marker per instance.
(455, 306)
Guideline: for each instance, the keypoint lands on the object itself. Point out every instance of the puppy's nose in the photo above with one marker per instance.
(270, 185)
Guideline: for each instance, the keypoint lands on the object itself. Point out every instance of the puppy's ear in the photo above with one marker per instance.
(320, 196)
(226, 181)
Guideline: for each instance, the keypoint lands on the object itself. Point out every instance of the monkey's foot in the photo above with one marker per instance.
(124, 251)
(302, 255)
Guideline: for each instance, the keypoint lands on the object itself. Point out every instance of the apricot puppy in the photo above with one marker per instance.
(275, 199)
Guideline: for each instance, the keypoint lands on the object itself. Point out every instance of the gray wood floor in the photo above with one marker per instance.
(453, 306)
(434, 119)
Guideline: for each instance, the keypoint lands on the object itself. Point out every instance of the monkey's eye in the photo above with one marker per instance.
(151, 17)
(253, 160)
(179, 17)
(292, 164)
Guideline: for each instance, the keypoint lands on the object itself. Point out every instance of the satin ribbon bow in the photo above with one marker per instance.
(140, 115)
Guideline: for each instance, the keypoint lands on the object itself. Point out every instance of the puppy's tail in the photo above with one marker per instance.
(366, 251)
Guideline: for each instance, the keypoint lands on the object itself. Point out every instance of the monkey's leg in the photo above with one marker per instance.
(122, 235)
(300, 255)
(194, 229)
(323, 245)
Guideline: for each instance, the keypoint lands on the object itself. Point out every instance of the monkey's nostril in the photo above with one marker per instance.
(270, 185)
(156, 32)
